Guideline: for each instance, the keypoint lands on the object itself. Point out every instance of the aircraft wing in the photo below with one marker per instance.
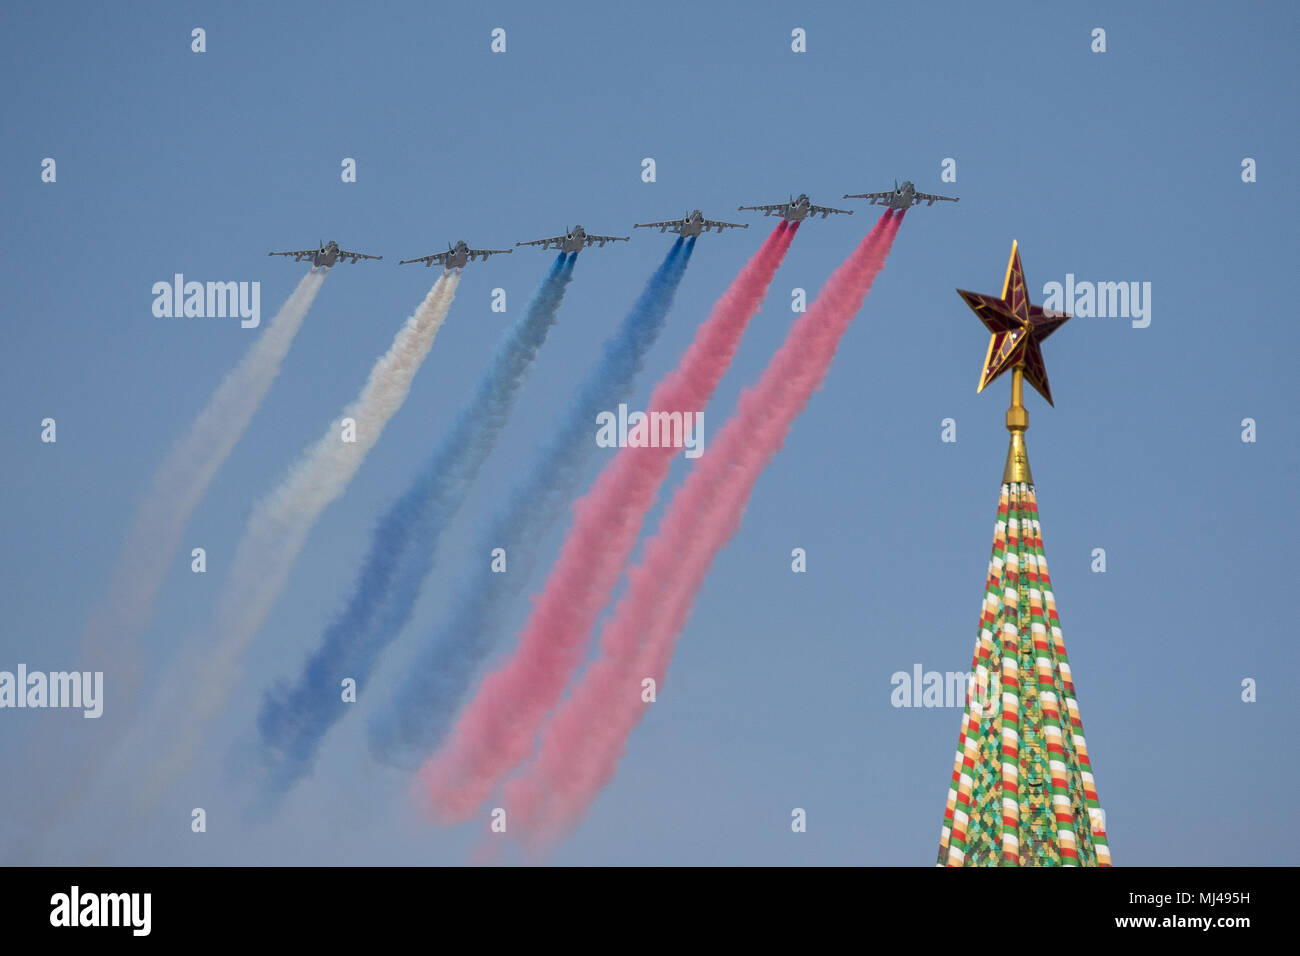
(601, 240)
(715, 224)
(773, 209)
(874, 197)
(300, 254)
(354, 256)
(827, 210)
(484, 253)
(673, 224)
(930, 199)
(438, 257)
(556, 241)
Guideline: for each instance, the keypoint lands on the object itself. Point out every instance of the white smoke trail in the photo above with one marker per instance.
(181, 481)
(197, 689)
(111, 640)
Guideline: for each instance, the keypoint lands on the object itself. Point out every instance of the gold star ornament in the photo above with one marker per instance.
(1017, 328)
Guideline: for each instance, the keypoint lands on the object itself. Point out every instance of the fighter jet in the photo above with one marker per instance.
(692, 224)
(798, 209)
(325, 256)
(573, 240)
(901, 197)
(457, 256)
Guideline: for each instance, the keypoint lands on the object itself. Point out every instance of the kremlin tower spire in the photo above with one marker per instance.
(1022, 791)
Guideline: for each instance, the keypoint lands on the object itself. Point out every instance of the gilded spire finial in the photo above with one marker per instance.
(1018, 328)
(1017, 467)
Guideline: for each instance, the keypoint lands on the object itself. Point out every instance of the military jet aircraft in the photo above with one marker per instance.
(692, 224)
(798, 209)
(573, 240)
(457, 256)
(901, 197)
(325, 256)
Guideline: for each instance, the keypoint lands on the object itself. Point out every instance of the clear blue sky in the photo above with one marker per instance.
(1122, 166)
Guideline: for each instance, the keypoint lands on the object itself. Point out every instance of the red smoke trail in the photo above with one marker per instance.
(499, 726)
(581, 747)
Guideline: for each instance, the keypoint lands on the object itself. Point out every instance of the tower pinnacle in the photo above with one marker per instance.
(1022, 790)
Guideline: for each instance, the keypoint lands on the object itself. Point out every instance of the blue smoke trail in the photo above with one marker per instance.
(435, 684)
(294, 719)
